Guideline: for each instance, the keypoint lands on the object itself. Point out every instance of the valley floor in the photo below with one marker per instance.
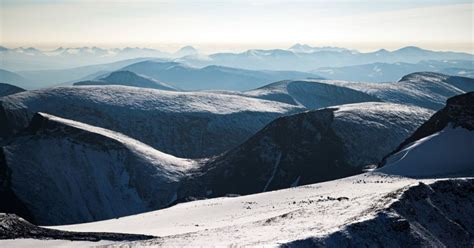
(312, 213)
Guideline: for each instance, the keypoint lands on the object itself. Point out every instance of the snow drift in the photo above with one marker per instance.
(441, 147)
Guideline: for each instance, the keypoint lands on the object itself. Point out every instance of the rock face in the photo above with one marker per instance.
(128, 78)
(14, 227)
(74, 172)
(442, 146)
(8, 89)
(185, 124)
(307, 148)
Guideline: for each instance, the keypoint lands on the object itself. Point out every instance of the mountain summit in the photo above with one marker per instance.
(128, 78)
(186, 51)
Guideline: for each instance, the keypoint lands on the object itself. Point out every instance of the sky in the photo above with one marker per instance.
(238, 24)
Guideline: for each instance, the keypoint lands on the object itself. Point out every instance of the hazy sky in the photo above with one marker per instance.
(230, 25)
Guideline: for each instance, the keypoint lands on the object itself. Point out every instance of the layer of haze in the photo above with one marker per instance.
(238, 25)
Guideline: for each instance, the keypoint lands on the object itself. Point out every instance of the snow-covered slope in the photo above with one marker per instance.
(8, 89)
(185, 124)
(63, 171)
(365, 209)
(309, 94)
(443, 146)
(211, 77)
(445, 153)
(424, 89)
(128, 78)
(306, 148)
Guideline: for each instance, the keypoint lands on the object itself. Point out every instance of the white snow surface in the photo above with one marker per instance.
(309, 94)
(448, 152)
(147, 99)
(19, 243)
(265, 219)
(429, 91)
(152, 156)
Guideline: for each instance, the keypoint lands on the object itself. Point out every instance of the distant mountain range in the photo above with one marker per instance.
(211, 77)
(305, 58)
(389, 72)
(28, 59)
(14, 79)
(299, 57)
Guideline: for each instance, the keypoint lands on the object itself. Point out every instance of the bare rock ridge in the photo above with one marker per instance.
(14, 227)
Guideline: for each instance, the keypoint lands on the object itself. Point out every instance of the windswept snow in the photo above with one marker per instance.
(371, 130)
(428, 90)
(448, 152)
(273, 218)
(152, 156)
(310, 94)
(185, 124)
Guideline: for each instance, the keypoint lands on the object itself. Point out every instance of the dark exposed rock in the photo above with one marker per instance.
(14, 227)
